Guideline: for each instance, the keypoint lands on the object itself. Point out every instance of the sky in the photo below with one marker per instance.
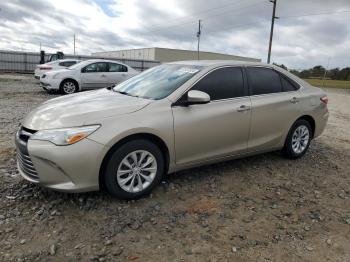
(307, 33)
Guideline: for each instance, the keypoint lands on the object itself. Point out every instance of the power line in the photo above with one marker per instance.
(217, 29)
(210, 17)
(316, 14)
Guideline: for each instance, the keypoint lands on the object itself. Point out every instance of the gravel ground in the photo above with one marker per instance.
(261, 208)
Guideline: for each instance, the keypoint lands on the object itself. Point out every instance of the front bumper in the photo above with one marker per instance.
(73, 168)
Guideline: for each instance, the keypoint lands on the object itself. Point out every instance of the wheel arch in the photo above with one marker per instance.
(310, 120)
(147, 136)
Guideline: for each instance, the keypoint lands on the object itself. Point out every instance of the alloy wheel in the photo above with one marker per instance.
(69, 87)
(137, 171)
(300, 139)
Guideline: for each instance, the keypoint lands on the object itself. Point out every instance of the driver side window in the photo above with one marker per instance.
(222, 83)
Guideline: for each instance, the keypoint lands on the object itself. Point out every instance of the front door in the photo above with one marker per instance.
(216, 129)
(95, 75)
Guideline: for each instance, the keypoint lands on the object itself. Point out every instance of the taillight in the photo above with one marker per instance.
(324, 99)
(45, 68)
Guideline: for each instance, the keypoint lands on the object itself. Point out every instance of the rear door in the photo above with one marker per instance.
(117, 73)
(95, 75)
(218, 128)
(275, 107)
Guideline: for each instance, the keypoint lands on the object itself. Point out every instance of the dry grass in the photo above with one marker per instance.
(329, 83)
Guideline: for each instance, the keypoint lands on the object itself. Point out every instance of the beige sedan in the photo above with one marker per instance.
(168, 118)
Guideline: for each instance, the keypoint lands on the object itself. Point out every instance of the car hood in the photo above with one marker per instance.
(79, 109)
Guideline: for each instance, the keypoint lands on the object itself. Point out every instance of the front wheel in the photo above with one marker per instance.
(298, 139)
(134, 169)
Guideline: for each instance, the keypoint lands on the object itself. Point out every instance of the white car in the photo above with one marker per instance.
(54, 65)
(89, 74)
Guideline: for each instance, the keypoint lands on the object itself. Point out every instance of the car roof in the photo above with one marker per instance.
(220, 63)
(67, 59)
(104, 60)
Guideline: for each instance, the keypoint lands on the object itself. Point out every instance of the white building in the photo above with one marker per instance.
(170, 55)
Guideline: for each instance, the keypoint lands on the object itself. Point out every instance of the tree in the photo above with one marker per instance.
(344, 74)
(281, 66)
(318, 71)
(333, 73)
(294, 72)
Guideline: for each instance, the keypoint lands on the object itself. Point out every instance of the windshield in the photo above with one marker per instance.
(158, 82)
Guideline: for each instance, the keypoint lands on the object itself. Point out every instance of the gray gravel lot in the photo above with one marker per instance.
(261, 208)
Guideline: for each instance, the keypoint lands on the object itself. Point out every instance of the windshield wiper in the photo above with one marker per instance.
(122, 92)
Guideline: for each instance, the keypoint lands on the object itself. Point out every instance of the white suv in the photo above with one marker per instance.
(89, 74)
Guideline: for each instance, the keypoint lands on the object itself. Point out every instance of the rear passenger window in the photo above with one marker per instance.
(117, 68)
(70, 63)
(263, 80)
(288, 84)
(67, 63)
(222, 83)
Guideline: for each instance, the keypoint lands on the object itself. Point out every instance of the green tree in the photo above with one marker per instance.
(344, 74)
(333, 73)
(295, 72)
(318, 71)
(281, 66)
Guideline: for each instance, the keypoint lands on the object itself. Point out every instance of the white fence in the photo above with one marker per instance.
(25, 62)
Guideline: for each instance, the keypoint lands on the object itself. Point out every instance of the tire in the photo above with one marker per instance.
(68, 87)
(298, 139)
(116, 171)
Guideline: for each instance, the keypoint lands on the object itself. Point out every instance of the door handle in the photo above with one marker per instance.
(103, 75)
(294, 100)
(243, 108)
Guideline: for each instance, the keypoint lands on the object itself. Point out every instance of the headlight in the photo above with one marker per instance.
(65, 136)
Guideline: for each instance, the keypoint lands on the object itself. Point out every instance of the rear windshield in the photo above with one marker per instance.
(158, 82)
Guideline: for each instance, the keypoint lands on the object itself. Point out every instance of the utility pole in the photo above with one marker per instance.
(74, 44)
(272, 26)
(198, 37)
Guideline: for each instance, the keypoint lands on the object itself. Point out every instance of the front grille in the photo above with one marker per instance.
(26, 165)
(23, 158)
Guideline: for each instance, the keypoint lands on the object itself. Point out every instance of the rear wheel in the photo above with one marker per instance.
(134, 169)
(68, 87)
(298, 139)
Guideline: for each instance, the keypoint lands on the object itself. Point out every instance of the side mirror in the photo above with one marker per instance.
(197, 97)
